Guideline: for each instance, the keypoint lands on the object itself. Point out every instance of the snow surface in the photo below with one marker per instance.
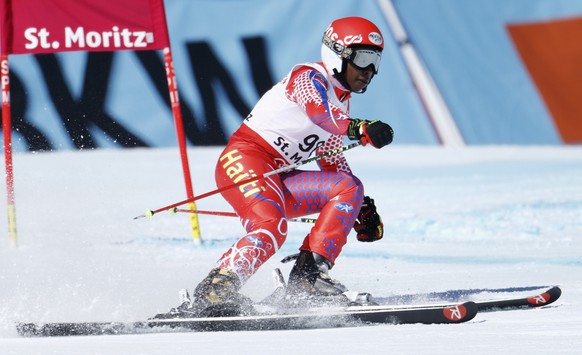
(455, 219)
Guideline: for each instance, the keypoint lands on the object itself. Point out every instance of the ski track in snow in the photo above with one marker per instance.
(474, 222)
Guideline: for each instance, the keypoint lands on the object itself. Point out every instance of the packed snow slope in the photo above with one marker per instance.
(455, 219)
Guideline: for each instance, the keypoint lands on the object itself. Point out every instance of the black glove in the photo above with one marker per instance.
(369, 225)
(376, 132)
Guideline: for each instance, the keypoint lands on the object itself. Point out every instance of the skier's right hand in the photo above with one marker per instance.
(377, 133)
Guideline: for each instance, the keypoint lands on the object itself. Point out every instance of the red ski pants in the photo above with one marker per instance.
(264, 205)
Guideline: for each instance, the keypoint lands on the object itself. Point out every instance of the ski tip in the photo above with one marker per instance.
(461, 312)
(545, 298)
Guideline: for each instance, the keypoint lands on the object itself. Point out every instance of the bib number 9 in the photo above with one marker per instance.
(310, 143)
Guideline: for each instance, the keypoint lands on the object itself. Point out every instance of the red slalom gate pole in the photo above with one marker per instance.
(7, 130)
(176, 111)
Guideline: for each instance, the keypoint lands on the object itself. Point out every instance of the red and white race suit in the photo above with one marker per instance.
(304, 114)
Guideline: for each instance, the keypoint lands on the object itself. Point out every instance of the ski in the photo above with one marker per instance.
(507, 298)
(539, 300)
(320, 317)
(309, 318)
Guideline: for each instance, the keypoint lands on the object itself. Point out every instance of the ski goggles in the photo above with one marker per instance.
(362, 58)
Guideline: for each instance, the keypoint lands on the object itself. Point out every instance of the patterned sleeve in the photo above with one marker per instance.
(307, 87)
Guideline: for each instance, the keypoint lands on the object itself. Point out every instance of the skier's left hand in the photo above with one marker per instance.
(369, 225)
(377, 133)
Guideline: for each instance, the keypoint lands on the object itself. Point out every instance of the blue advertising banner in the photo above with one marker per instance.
(226, 54)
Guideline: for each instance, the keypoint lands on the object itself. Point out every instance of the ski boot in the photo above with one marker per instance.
(217, 295)
(309, 279)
